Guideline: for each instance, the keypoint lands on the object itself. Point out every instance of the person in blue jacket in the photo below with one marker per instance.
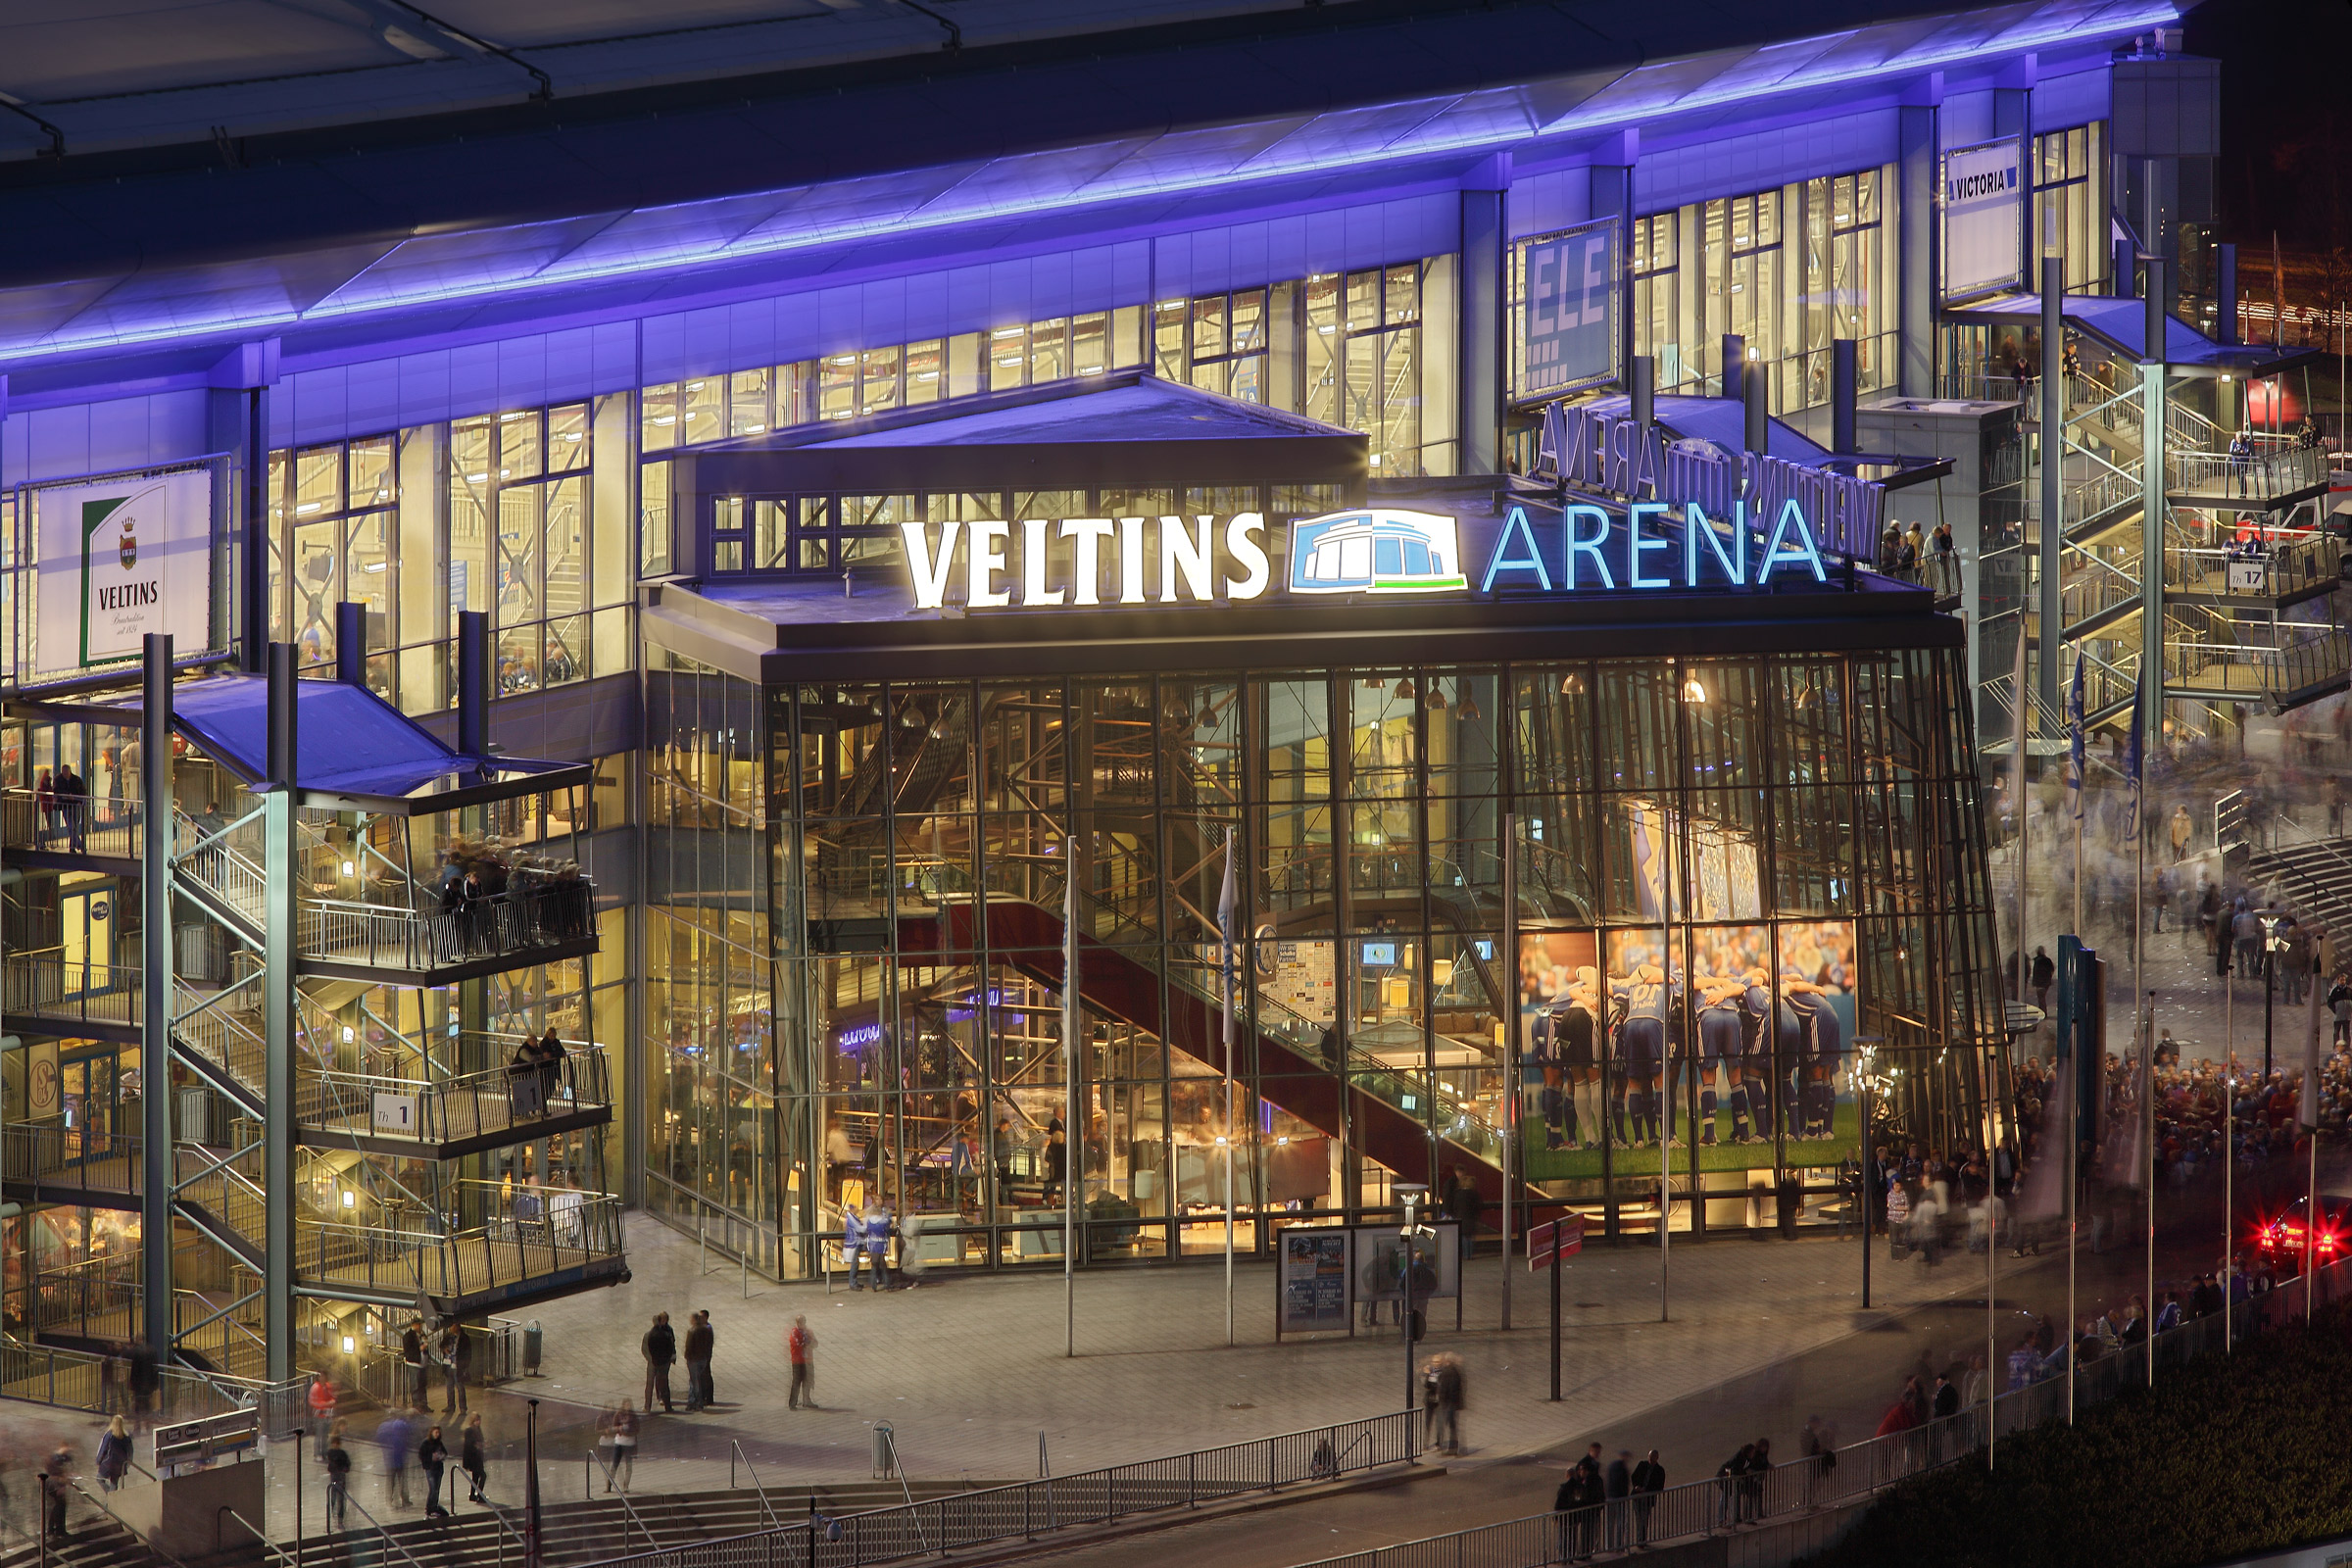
(865, 1236)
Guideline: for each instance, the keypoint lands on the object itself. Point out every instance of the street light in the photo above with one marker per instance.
(1412, 1192)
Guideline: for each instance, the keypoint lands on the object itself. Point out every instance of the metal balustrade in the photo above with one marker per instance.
(479, 1105)
(71, 1157)
(1032, 1508)
(49, 983)
(1812, 1487)
(99, 827)
(2275, 468)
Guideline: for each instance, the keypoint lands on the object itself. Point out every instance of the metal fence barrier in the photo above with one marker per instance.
(1032, 1508)
(1807, 1485)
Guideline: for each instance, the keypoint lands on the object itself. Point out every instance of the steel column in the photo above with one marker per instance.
(277, 1017)
(2151, 520)
(2053, 493)
(155, 998)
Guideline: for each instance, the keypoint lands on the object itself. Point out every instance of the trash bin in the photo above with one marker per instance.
(530, 1348)
(886, 1452)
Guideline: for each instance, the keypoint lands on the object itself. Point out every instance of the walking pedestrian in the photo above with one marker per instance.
(1727, 1483)
(1819, 1448)
(659, 1346)
(1752, 1484)
(2045, 973)
(55, 1486)
(699, 1341)
(1617, 1488)
(471, 1458)
(114, 1454)
(2181, 828)
(393, 1435)
(801, 1345)
(338, 1475)
(1462, 1205)
(322, 1412)
(624, 1446)
(1649, 1479)
(433, 1454)
(456, 1365)
(1450, 1391)
(411, 1359)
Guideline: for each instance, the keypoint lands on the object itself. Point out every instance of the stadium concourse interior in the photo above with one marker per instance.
(444, 1162)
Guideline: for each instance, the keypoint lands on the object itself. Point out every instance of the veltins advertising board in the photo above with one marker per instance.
(1984, 218)
(1563, 309)
(119, 558)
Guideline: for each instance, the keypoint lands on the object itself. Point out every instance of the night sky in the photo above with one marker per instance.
(2287, 118)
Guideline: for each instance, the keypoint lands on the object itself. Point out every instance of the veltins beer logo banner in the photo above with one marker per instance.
(119, 560)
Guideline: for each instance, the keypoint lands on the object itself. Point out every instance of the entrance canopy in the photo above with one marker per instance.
(351, 748)
(2123, 325)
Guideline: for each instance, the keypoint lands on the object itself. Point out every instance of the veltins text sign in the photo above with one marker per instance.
(118, 560)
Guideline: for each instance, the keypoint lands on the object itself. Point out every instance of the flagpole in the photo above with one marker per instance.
(2147, 1108)
(2310, 1107)
(1225, 910)
(2018, 741)
(1073, 1157)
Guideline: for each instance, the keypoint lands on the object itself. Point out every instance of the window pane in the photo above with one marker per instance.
(924, 365)
(877, 380)
(837, 387)
(518, 550)
(747, 402)
(518, 455)
(1090, 350)
(318, 483)
(699, 414)
(1007, 357)
(565, 549)
(371, 477)
(567, 446)
(1048, 350)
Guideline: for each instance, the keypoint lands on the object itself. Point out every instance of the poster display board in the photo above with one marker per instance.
(1564, 308)
(1313, 1279)
(1984, 218)
(116, 559)
(1379, 1263)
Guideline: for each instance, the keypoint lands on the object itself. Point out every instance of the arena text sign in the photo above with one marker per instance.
(1080, 563)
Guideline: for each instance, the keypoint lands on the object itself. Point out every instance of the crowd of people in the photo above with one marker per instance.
(493, 898)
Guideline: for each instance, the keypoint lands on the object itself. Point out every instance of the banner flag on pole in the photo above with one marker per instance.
(2132, 770)
(2074, 740)
(1228, 906)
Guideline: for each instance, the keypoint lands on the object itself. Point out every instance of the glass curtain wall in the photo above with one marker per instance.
(1788, 269)
(2070, 203)
(1728, 869)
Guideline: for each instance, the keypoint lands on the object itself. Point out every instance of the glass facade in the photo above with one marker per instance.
(1730, 867)
(1788, 269)
(2070, 203)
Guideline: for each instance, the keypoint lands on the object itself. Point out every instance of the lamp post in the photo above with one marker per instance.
(1412, 1192)
(1867, 1084)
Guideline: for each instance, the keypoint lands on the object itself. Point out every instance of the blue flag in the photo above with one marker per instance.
(2132, 770)
(2074, 740)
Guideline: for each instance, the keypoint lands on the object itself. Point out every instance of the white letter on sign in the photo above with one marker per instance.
(1184, 553)
(982, 562)
(1242, 545)
(930, 571)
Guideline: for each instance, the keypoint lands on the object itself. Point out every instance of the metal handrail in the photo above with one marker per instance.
(1026, 1508)
(382, 1531)
(622, 1492)
(735, 1445)
(267, 1545)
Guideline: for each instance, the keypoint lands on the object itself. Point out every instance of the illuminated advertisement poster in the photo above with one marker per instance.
(121, 558)
(1725, 1045)
(1563, 310)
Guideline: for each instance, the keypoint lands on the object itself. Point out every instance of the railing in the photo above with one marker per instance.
(211, 1026)
(2274, 469)
(494, 1100)
(2269, 669)
(233, 1200)
(105, 827)
(95, 1295)
(210, 855)
(2077, 504)
(76, 1380)
(510, 922)
(1810, 1484)
(72, 1156)
(2288, 565)
(537, 1231)
(47, 983)
(1031, 1508)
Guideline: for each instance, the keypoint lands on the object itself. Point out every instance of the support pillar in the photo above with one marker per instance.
(1915, 220)
(155, 998)
(2152, 395)
(2053, 491)
(1479, 382)
(350, 643)
(278, 948)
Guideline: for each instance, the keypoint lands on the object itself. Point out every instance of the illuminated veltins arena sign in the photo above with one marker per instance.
(1080, 563)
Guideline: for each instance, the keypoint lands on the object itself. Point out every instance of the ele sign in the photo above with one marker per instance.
(117, 560)
(1093, 562)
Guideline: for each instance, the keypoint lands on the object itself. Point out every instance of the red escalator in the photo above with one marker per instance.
(1297, 1076)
